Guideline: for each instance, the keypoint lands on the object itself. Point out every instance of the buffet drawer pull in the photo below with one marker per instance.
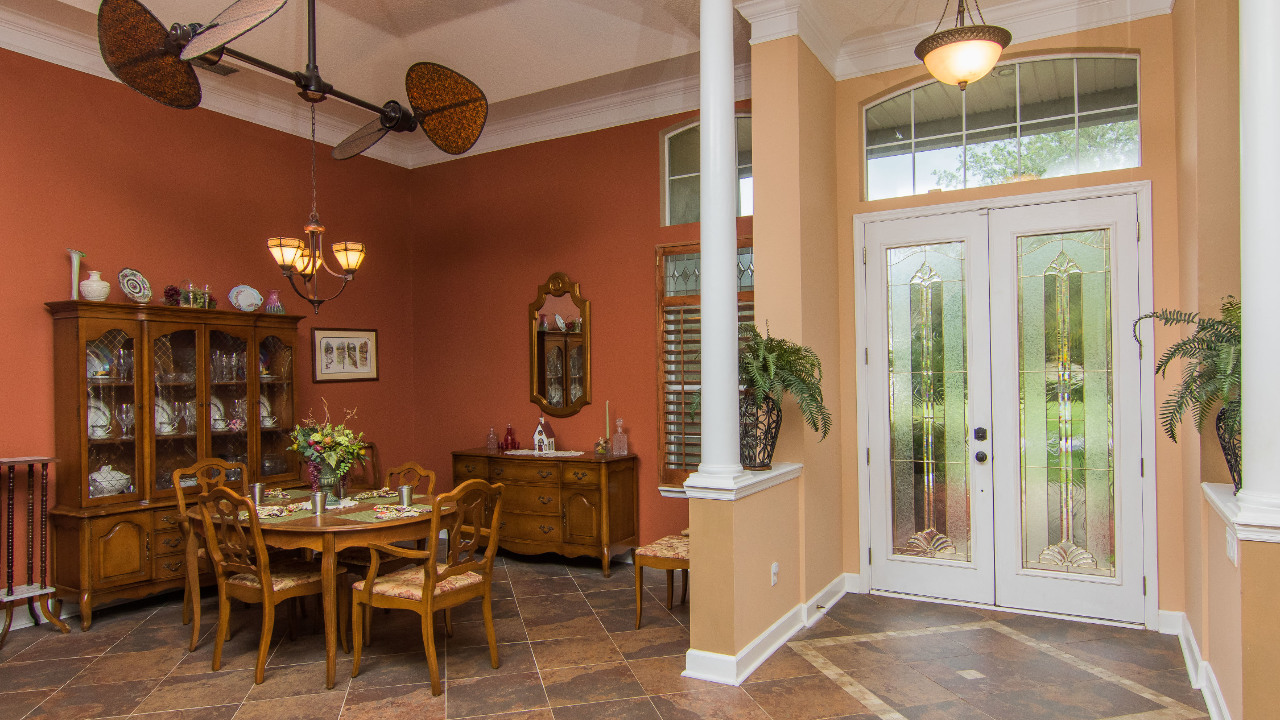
(544, 473)
(497, 471)
(470, 468)
(545, 529)
(172, 542)
(545, 500)
(579, 474)
(502, 524)
(173, 566)
(169, 519)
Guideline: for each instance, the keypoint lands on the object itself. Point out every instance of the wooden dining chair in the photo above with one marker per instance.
(366, 473)
(208, 473)
(244, 570)
(411, 473)
(470, 513)
(670, 553)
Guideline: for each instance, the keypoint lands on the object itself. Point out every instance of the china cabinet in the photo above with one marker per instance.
(141, 391)
(574, 506)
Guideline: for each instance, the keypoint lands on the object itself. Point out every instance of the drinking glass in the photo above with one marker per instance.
(124, 414)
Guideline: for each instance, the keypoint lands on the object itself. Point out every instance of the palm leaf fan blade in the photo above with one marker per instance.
(361, 140)
(451, 109)
(134, 47)
(239, 18)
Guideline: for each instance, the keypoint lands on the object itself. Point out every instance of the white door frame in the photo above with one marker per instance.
(1142, 193)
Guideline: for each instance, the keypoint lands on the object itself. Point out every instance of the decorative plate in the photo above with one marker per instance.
(135, 286)
(244, 298)
(217, 416)
(96, 362)
(99, 419)
(166, 420)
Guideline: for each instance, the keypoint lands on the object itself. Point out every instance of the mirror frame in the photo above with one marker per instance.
(557, 285)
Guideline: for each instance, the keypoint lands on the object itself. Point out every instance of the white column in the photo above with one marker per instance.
(1260, 257)
(720, 460)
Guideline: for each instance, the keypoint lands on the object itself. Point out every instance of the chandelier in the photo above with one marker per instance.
(964, 53)
(305, 258)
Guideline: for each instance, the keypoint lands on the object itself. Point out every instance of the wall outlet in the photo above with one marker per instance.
(773, 574)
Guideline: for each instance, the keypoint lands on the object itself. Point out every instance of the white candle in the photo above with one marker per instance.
(606, 419)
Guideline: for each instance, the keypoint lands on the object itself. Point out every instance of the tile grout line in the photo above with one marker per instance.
(845, 681)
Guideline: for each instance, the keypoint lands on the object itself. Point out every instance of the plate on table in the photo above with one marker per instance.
(217, 416)
(98, 419)
(166, 419)
(135, 286)
(244, 298)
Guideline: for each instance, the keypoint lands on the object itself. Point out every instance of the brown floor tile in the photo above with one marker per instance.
(927, 614)
(495, 695)
(853, 656)
(902, 686)
(987, 640)
(951, 710)
(551, 617)
(539, 714)
(718, 703)
(623, 619)
(399, 669)
(1173, 684)
(1130, 653)
(861, 614)
(611, 599)
(651, 642)
(39, 675)
(532, 568)
(662, 676)
(475, 661)
(501, 590)
(326, 706)
(825, 628)
(505, 630)
(783, 663)
(637, 708)
(471, 611)
(567, 652)
(306, 679)
(535, 585)
(17, 641)
(301, 649)
(192, 691)
(594, 581)
(238, 653)
(220, 712)
(147, 637)
(73, 644)
(919, 647)
(401, 702)
(75, 702)
(1081, 701)
(590, 683)
(131, 666)
(804, 698)
(1055, 630)
(16, 705)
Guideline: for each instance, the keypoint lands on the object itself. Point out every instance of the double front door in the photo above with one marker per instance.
(1005, 427)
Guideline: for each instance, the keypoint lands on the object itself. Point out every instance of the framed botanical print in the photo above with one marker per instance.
(343, 355)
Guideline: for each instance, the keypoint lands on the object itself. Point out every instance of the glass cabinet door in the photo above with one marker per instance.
(110, 414)
(175, 415)
(226, 371)
(275, 408)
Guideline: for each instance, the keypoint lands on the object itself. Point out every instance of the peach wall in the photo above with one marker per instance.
(793, 136)
(1259, 652)
(1220, 641)
(495, 226)
(1151, 39)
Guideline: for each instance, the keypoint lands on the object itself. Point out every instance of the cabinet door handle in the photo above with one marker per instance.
(545, 500)
(544, 474)
(545, 529)
(172, 542)
(173, 566)
(579, 474)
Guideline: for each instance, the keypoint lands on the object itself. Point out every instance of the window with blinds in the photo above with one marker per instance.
(680, 345)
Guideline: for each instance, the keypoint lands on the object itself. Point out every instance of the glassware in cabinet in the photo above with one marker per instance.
(176, 401)
(275, 406)
(110, 438)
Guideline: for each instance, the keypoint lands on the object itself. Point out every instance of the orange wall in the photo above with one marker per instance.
(92, 165)
(1152, 40)
(497, 225)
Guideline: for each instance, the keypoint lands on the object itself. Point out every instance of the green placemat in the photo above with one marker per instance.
(368, 515)
(290, 516)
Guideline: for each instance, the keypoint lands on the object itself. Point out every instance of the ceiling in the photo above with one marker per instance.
(550, 68)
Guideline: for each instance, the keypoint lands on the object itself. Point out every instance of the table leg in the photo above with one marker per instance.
(328, 578)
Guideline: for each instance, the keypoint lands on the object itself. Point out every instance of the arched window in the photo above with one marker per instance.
(680, 176)
(1027, 120)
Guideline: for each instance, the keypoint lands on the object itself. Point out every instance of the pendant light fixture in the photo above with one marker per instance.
(305, 258)
(964, 53)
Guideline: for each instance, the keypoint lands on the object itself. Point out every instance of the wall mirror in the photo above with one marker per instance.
(560, 348)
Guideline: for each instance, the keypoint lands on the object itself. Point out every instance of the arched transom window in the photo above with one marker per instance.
(1027, 120)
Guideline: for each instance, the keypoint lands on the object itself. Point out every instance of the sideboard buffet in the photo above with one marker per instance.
(576, 506)
(141, 390)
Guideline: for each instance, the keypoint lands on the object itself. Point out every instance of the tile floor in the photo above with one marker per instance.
(570, 651)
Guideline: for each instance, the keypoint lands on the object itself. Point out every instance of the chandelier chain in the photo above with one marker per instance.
(315, 216)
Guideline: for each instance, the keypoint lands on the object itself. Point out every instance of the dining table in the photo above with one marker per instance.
(354, 523)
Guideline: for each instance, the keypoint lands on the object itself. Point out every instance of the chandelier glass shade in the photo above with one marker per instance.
(964, 53)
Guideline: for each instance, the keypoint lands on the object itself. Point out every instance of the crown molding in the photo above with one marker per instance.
(775, 19)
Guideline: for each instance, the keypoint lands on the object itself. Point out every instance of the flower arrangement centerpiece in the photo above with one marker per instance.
(329, 450)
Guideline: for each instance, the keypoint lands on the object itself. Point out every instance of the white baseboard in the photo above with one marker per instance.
(734, 669)
(1199, 670)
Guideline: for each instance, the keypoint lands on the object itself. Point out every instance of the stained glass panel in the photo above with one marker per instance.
(1065, 357)
(928, 384)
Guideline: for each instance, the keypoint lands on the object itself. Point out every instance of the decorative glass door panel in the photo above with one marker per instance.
(275, 405)
(1068, 485)
(928, 388)
(229, 411)
(174, 413)
(111, 411)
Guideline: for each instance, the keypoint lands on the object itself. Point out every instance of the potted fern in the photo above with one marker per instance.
(768, 369)
(1210, 379)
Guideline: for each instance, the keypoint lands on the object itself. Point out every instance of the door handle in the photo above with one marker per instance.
(980, 456)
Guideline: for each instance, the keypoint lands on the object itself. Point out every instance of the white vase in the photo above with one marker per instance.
(94, 287)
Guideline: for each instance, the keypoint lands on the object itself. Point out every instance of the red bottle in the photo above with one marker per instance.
(509, 442)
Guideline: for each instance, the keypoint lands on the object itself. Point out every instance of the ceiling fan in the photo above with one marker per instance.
(156, 62)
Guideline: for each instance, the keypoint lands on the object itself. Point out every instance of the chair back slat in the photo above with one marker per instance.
(208, 473)
(411, 473)
(473, 526)
(366, 472)
(233, 549)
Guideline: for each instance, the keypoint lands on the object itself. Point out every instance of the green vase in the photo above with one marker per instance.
(329, 480)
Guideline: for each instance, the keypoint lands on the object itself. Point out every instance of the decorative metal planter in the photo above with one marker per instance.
(1230, 450)
(758, 435)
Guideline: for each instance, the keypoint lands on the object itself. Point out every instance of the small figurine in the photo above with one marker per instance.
(544, 438)
(602, 447)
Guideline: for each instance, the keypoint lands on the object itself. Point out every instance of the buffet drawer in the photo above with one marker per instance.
(167, 542)
(582, 474)
(521, 498)
(529, 528)
(169, 566)
(501, 471)
(467, 468)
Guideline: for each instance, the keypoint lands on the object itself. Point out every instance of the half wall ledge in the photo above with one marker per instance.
(732, 487)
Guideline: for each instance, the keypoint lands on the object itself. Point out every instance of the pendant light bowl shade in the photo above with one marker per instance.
(349, 255)
(963, 54)
(135, 47)
(285, 251)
